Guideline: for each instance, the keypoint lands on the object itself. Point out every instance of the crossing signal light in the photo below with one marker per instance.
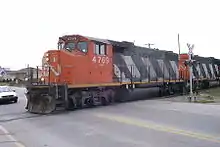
(190, 62)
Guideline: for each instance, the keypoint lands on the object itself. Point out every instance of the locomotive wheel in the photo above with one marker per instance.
(71, 103)
(104, 101)
(79, 103)
(90, 102)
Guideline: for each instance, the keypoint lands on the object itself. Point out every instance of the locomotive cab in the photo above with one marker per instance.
(78, 60)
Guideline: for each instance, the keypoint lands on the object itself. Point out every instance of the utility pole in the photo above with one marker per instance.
(179, 44)
(190, 63)
(28, 72)
(149, 44)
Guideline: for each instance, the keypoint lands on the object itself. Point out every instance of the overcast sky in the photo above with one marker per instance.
(29, 28)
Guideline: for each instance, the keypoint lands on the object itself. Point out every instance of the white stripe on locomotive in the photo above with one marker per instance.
(216, 68)
(206, 70)
(120, 75)
(149, 66)
(175, 68)
(199, 71)
(163, 68)
(212, 71)
(130, 64)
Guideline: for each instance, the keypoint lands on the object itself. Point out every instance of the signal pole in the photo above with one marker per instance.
(190, 63)
(179, 45)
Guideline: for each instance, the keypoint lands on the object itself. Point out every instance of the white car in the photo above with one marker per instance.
(7, 94)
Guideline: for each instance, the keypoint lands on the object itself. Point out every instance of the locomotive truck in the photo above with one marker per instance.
(86, 72)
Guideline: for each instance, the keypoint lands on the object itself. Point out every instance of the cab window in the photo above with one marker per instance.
(70, 46)
(83, 47)
(100, 49)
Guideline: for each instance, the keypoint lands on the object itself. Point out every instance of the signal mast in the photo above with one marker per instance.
(190, 63)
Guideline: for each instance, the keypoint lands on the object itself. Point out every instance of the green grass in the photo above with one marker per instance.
(205, 101)
(3, 84)
(212, 93)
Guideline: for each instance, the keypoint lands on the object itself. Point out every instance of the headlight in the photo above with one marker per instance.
(42, 79)
(47, 59)
(47, 54)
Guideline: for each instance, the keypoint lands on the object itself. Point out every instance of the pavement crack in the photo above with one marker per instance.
(6, 114)
(14, 118)
(3, 142)
(5, 134)
(17, 118)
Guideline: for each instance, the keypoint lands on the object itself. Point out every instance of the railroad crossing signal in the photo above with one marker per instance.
(190, 48)
(190, 63)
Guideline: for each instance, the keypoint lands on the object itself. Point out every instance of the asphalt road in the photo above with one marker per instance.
(150, 123)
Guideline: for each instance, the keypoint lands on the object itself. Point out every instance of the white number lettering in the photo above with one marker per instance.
(103, 60)
(100, 60)
(94, 59)
(107, 60)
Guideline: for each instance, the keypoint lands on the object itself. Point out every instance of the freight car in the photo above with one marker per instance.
(86, 71)
(205, 71)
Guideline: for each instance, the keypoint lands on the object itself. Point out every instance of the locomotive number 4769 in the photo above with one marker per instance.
(100, 59)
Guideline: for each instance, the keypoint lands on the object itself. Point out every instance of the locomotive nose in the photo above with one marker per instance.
(50, 66)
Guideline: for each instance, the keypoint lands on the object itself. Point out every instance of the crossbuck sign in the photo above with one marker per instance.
(190, 48)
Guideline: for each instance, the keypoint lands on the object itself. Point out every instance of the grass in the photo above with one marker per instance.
(212, 93)
(205, 101)
(3, 84)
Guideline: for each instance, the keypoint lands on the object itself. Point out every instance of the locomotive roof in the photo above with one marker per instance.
(113, 42)
(123, 44)
(98, 39)
(119, 44)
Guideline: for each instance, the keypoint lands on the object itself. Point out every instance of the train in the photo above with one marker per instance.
(87, 71)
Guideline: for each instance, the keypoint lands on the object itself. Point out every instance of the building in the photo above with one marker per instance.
(21, 74)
